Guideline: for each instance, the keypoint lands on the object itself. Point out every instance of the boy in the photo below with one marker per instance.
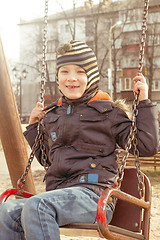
(82, 130)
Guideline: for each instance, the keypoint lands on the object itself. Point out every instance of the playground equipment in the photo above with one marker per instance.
(131, 219)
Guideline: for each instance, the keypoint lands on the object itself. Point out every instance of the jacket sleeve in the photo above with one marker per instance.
(30, 135)
(147, 128)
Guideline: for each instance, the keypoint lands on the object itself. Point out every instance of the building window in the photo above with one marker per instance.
(133, 15)
(118, 84)
(64, 28)
(51, 46)
(126, 84)
(156, 85)
(154, 39)
(89, 27)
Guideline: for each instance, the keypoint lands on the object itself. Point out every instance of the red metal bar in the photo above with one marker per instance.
(4, 196)
(101, 211)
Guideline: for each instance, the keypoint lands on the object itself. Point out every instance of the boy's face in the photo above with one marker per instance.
(72, 81)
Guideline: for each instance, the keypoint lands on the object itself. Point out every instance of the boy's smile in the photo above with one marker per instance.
(72, 87)
(72, 81)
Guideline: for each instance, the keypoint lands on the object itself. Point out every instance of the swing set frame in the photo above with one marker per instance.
(133, 205)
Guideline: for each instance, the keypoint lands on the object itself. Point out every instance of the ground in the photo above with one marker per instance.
(38, 175)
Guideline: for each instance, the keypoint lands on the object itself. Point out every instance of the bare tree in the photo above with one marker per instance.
(36, 55)
(72, 28)
(150, 54)
(95, 14)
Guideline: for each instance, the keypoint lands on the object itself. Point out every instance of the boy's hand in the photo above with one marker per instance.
(140, 86)
(37, 113)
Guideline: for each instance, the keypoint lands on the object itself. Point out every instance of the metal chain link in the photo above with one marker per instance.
(40, 128)
(22, 180)
(132, 138)
(42, 91)
(143, 36)
(43, 153)
(43, 72)
(140, 68)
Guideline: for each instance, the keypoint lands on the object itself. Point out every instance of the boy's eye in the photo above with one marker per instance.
(81, 71)
(64, 71)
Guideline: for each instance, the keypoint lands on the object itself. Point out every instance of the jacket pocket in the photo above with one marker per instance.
(94, 118)
(51, 123)
(94, 133)
(52, 118)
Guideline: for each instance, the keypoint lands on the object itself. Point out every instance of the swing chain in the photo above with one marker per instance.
(43, 150)
(42, 91)
(132, 138)
(38, 142)
(21, 182)
(39, 138)
(43, 73)
(141, 59)
(136, 151)
(143, 36)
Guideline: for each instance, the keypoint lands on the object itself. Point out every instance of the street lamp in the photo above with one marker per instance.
(20, 76)
(110, 82)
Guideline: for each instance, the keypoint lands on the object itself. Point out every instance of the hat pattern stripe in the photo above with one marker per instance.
(83, 64)
(92, 82)
(93, 69)
(76, 56)
(91, 76)
(91, 66)
(78, 43)
(75, 51)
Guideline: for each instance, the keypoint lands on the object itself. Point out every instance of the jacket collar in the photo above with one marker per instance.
(101, 102)
(93, 102)
(98, 96)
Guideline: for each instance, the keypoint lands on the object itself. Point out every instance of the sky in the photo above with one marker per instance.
(10, 13)
(12, 10)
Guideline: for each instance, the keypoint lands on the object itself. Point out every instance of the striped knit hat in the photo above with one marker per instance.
(78, 53)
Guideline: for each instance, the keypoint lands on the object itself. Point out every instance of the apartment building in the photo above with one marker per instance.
(112, 29)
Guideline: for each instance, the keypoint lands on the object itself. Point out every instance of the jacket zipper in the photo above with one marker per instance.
(69, 110)
(64, 134)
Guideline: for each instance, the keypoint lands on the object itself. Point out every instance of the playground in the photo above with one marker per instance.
(130, 190)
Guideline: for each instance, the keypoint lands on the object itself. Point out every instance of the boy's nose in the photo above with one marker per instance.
(72, 78)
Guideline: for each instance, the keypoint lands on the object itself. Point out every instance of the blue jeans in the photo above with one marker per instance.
(39, 217)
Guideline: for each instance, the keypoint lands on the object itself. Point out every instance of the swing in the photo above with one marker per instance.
(131, 219)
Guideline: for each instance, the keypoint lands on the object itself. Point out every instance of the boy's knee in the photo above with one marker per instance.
(34, 206)
(11, 211)
(3, 209)
(29, 211)
(30, 206)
